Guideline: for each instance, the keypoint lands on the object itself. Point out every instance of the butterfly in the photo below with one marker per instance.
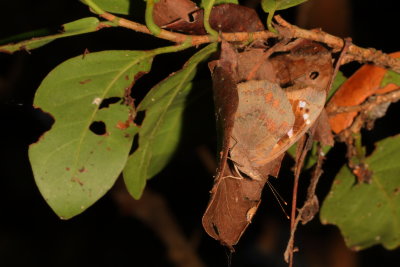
(258, 119)
(269, 118)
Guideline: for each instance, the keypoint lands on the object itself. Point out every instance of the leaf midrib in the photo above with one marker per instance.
(169, 103)
(113, 81)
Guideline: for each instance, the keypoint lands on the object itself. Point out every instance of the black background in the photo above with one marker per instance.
(32, 235)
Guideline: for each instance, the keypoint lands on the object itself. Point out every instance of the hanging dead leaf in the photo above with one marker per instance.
(233, 203)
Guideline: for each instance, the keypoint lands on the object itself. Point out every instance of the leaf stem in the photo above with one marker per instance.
(173, 48)
(208, 5)
(93, 6)
(360, 150)
(269, 22)
(151, 25)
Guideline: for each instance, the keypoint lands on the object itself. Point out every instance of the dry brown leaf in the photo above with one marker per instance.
(224, 18)
(167, 11)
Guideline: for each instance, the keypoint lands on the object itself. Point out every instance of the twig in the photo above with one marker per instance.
(286, 30)
(154, 212)
(303, 146)
(370, 103)
(309, 209)
(357, 53)
(342, 56)
(195, 39)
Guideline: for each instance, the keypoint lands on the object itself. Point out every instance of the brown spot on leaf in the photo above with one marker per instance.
(139, 74)
(396, 191)
(77, 180)
(337, 182)
(82, 169)
(85, 81)
(86, 52)
(122, 125)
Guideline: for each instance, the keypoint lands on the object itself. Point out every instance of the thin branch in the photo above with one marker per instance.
(357, 53)
(309, 209)
(303, 146)
(285, 29)
(195, 39)
(370, 103)
(343, 53)
(154, 212)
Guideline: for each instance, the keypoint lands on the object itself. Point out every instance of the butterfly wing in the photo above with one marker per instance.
(309, 70)
(307, 105)
(263, 117)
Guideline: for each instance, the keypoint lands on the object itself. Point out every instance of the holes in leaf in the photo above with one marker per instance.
(191, 17)
(109, 101)
(314, 75)
(140, 117)
(98, 127)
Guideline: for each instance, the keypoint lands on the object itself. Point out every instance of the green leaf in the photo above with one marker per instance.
(270, 6)
(391, 77)
(114, 6)
(337, 82)
(160, 131)
(207, 5)
(74, 164)
(77, 27)
(368, 214)
(219, 2)
(311, 157)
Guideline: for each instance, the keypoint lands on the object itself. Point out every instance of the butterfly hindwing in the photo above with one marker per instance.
(263, 117)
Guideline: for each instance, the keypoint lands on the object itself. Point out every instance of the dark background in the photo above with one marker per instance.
(32, 235)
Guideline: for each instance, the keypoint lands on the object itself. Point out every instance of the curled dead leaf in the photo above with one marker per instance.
(223, 18)
(167, 11)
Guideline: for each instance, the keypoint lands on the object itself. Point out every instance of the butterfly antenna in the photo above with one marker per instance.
(278, 198)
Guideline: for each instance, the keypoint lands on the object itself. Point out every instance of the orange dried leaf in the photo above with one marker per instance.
(361, 85)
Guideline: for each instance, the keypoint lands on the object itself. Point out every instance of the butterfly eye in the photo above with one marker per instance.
(314, 75)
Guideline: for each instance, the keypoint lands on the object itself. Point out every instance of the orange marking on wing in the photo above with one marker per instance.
(268, 97)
